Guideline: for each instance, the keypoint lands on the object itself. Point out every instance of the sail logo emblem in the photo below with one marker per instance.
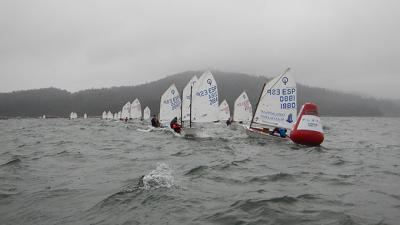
(285, 80)
(290, 118)
(173, 92)
(209, 81)
(244, 96)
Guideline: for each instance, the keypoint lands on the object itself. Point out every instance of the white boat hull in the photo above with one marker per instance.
(253, 133)
(189, 132)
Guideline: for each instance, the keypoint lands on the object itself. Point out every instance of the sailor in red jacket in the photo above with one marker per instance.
(175, 125)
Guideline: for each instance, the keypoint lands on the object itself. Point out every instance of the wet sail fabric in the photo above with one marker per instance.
(170, 105)
(104, 115)
(186, 98)
(126, 109)
(224, 112)
(278, 103)
(205, 106)
(146, 113)
(136, 110)
(242, 111)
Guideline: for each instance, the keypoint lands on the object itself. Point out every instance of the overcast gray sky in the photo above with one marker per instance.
(351, 45)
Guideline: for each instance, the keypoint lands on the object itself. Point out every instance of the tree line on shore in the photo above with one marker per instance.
(55, 102)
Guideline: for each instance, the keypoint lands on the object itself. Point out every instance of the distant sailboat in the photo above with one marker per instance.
(146, 113)
(136, 110)
(224, 112)
(170, 106)
(73, 115)
(109, 115)
(44, 117)
(126, 111)
(104, 115)
(85, 116)
(242, 111)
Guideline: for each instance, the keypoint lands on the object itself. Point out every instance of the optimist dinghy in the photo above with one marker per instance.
(204, 107)
(170, 106)
(146, 113)
(135, 110)
(242, 111)
(104, 115)
(110, 116)
(126, 111)
(224, 112)
(276, 112)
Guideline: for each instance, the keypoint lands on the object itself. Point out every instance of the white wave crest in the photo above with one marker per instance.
(161, 177)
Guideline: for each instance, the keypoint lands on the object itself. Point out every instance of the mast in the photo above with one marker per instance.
(190, 111)
(181, 109)
(258, 102)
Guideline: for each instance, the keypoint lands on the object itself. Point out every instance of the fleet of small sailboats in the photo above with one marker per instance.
(275, 114)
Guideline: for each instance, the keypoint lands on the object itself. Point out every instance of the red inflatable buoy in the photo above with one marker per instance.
(308, 128)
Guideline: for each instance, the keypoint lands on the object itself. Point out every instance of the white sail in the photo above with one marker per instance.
(85, 116)
(170, 105)
(278, 103)
(224, 112)
(126, 110)
(205, 106)
(73, 115)
(146, 113)
(242, 111)
(109, 115)
(104, 115)
(186, 98)
(136, 110)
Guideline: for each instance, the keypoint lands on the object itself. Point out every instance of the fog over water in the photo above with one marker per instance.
(342, 45)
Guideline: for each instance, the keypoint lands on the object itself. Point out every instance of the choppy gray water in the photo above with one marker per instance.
(57, 171)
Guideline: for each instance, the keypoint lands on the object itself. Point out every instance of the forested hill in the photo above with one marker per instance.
(59, 103)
